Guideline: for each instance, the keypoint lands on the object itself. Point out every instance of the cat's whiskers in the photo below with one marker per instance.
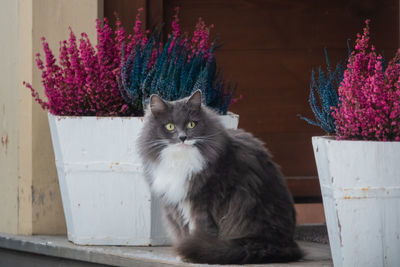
(157, 144)
(208, 136)
(205, 139)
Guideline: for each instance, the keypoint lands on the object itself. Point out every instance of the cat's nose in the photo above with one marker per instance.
(183, 138)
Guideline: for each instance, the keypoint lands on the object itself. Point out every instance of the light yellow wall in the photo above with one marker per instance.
(24, 105)
(8, 117)
(29, 191)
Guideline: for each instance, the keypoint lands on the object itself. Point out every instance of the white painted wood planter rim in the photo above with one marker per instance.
(360, 185)
(105, 198)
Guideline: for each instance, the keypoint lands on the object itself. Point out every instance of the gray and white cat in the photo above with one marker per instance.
(225, 201)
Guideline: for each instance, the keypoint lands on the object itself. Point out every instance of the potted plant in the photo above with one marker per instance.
(95, 119)
(359, 168)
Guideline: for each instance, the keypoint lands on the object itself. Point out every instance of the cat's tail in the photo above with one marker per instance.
(236, 251)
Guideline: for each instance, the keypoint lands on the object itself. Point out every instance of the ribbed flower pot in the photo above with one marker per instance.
(360, 184)
(105, 198)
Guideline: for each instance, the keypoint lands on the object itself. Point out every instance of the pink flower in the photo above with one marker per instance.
(83, 82)
(369, 107)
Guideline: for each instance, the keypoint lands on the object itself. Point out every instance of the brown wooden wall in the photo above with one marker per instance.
(269, 48)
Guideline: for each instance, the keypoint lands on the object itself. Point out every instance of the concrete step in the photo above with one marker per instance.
(16, 250)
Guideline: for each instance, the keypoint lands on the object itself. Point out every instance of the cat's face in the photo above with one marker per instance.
(182, 124)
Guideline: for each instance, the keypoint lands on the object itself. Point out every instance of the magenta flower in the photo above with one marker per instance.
(84, 81)
(369, 96)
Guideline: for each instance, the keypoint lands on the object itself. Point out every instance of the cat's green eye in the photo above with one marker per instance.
(170, 126)
(191, 124)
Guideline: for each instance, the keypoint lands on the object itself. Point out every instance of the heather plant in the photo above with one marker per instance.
(116, 76)
(83, 81)
(369, 95)
(181, 66)
(324, 96)
(134, 70)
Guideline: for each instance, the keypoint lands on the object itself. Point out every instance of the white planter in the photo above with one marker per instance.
(106, 200)
(360, 184)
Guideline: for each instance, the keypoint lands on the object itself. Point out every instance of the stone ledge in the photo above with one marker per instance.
(60, 247)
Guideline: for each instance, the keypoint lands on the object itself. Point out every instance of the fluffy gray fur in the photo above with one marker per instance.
(240, 208)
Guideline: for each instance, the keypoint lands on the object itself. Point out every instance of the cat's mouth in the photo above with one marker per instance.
(186, 143)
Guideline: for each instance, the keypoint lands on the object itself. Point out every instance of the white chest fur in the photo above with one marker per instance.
(177, 165)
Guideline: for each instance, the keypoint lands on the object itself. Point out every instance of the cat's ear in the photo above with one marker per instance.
(195, 100)
(157, 105)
